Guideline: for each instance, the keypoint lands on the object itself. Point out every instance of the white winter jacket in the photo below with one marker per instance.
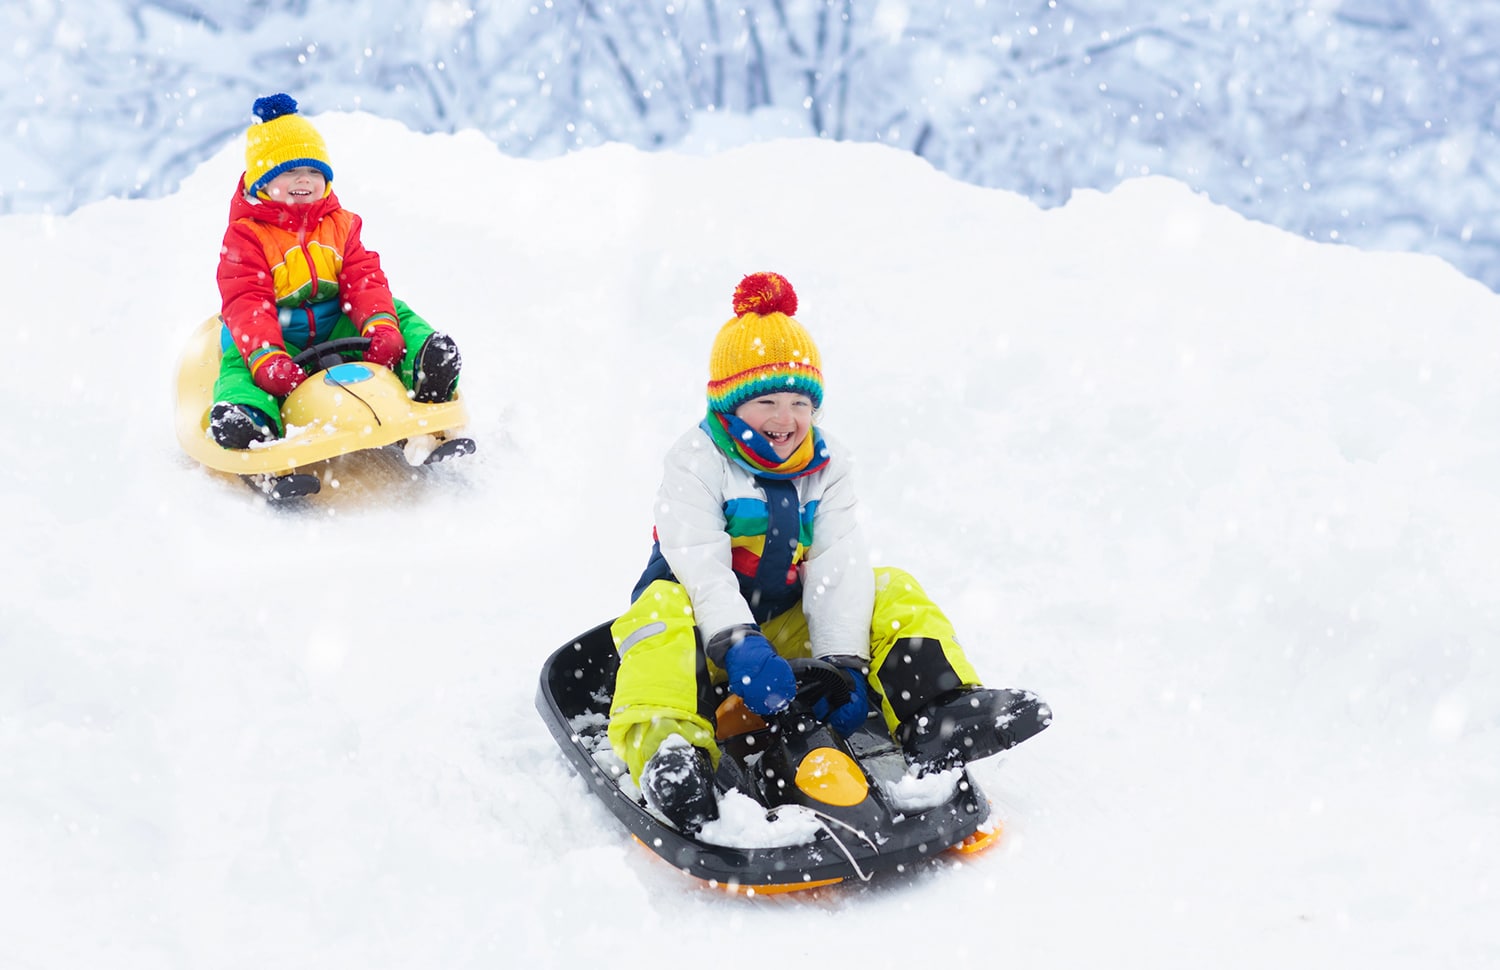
(838, 580)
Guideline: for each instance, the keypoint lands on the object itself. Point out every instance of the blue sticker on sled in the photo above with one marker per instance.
(347, 374)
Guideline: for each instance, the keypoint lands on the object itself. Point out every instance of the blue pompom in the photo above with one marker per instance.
(274, 106)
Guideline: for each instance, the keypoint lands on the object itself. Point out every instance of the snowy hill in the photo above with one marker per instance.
(1224, 497)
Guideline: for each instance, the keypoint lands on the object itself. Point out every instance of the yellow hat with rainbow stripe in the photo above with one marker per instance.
(280, 141)
(763, 350)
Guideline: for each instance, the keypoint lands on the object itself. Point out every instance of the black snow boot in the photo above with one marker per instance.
(438, 364)
(970, 723)
(679, 782)
(238, 425)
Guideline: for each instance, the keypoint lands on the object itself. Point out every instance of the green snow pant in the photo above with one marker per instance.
(665, 684)
(236, 386)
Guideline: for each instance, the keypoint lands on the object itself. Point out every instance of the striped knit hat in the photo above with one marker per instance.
(281, 141)
(763, 350)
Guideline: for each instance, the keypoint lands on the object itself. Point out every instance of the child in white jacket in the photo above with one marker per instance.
(759, 556)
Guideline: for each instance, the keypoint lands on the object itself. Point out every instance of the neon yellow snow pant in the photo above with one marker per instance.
(665, 682)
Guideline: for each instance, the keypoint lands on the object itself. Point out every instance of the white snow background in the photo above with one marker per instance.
(1225, 497)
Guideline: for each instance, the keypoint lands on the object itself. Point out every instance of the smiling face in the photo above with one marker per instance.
(783, 419)
(297, 186)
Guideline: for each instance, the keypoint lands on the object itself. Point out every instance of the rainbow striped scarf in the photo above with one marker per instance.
(750, 450)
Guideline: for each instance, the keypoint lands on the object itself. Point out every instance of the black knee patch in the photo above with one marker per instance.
(709, 695)
(915, 672)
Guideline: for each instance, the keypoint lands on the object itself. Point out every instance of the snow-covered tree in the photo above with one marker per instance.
(1364, 121)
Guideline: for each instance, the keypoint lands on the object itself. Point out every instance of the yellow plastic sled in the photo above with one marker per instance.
(343, 406)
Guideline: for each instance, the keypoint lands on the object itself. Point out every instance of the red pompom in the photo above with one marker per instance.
(764, 293)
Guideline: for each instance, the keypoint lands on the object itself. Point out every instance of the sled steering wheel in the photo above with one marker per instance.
(819, 679)
(329, 353)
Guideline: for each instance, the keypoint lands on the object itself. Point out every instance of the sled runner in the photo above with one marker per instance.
(849, 808)
(345, 405)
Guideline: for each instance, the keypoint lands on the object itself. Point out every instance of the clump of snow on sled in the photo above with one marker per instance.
(744, 824)
(913, 792)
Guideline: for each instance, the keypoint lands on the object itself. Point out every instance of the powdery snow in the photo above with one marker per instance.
(1225, 498)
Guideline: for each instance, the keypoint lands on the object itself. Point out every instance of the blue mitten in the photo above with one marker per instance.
(760, 675)
(847, 718)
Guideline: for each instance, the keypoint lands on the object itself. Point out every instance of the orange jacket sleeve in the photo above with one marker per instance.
(362, 284)
(248, 294)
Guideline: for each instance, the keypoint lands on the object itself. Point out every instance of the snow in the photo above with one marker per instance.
(1359, 121)
(744, 823)
(1224, 497)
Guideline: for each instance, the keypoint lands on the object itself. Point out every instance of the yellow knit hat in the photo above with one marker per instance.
(763, 350)
(281, 141)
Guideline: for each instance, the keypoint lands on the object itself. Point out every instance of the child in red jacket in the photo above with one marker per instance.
(293, 272)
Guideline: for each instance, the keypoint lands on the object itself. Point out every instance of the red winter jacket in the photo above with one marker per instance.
(284, 258)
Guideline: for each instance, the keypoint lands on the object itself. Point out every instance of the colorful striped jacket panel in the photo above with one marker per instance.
(711, 525)
(282, 265)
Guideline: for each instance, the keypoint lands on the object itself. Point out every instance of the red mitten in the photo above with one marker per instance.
(386, 345)
(277, 374)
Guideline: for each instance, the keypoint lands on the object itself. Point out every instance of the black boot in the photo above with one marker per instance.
(679, 783)
(238, 425)
(438, 364)
(971, 723)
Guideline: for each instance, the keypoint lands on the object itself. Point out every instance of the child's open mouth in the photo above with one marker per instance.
(778, 437)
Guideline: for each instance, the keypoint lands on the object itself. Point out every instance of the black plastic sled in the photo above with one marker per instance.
(848, 829)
